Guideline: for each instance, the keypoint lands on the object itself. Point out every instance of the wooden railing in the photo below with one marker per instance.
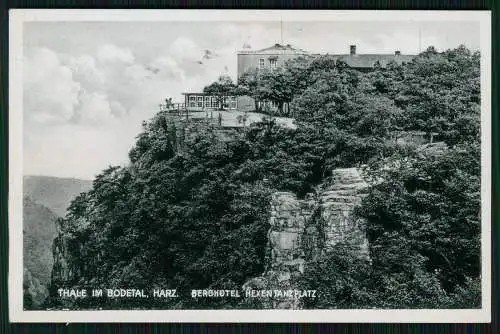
(173, 107)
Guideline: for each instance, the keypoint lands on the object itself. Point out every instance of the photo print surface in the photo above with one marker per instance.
(217, 164)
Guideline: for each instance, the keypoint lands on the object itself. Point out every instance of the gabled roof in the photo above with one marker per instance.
(276, 49)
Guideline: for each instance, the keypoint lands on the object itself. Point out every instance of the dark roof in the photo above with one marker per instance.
(369, 60)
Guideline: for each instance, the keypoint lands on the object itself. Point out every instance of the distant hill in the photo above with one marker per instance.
(54, 193)
(39, 231)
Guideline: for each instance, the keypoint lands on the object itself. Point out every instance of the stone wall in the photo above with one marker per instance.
(300, 230)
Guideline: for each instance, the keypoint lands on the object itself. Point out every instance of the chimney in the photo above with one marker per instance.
(353, 50)
(397, 53)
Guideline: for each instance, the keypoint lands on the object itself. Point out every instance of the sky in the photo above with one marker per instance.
(87, 86)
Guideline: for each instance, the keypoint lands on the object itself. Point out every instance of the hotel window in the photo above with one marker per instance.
(225, 104)
(207, 101)
(273, 63)
(214, 102)
(233, 103)
(262, 63)
(192, 101)
(200, 101)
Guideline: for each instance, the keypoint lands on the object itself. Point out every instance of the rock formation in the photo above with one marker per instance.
(39, 231)
(303, 229)
(337, 203)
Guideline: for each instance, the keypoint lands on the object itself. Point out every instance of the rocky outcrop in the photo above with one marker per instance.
(35, 292)
(337, 202)
(39, 231)
(303, 229)
(288, 223)
(289, 240)
(64, 270)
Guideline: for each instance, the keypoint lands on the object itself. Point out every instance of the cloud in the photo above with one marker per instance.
(188, 56)
(84, 111)
(94, 109)
(185, 49)
(85, 72)
(112, 53)
(166, 67)
(50, 93)
(117, 109)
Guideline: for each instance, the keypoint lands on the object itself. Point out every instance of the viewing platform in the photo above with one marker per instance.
(223, 118)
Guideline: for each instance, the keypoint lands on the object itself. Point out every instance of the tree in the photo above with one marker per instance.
(429, 205)
(248, 84)
(221, 89)
(440, 93)
(341, 277)
(275, 86)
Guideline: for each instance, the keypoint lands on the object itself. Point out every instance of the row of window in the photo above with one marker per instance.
(214, 105)
(273, 63)
(209, 98)
(267, 103)
(210, 102)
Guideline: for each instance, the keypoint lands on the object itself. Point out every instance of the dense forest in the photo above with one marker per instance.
(195, 214)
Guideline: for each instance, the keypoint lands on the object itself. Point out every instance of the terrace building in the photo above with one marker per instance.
(201, 101)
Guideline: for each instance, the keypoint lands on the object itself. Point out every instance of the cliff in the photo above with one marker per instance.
(303, 229)
(39, 231)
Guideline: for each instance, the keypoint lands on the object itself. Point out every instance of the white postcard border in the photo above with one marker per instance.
(16, 19)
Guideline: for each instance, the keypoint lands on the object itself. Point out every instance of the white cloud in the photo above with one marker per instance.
(86, 72)
(50, 93)
(117, 109)
(166, 67)
(94, 109)
(112, 53)
(137, 73)
(185, 49)
(91, 107)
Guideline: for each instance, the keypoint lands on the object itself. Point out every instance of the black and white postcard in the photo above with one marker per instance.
(235, 166)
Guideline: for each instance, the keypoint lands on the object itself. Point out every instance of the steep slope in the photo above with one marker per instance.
(39, 231)
(54, 193)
